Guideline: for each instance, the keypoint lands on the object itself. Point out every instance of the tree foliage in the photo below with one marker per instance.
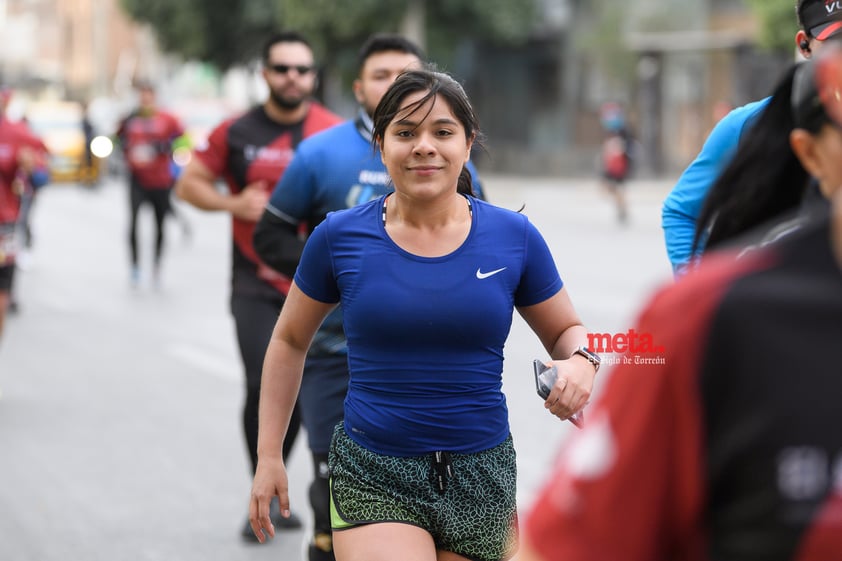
(600, 35)
(778, 23)
(222, 32)
(228, 32)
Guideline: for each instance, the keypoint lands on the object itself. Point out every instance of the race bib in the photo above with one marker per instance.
(142, 154)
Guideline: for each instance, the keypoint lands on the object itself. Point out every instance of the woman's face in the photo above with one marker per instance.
(424, 148)
(821, 156)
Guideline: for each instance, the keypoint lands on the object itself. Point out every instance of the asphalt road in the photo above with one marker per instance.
(119, 415)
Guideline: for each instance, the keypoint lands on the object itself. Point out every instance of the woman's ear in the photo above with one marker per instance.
(380, 148)
(803, 144)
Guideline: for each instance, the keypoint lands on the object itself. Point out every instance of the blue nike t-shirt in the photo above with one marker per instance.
(310, 188)
(426, 335)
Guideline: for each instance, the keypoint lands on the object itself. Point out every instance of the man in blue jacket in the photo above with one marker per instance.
(819, 20)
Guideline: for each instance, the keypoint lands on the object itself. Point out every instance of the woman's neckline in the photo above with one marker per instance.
(386, 199)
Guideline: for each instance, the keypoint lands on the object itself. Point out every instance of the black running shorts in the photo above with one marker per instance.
(7, 273)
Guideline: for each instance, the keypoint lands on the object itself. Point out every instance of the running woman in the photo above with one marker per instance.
(423, 464)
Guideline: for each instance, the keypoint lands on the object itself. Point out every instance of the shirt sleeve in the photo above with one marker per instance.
(682, 206)
(540, 279)
(314, 275)
(215, 154)
(293, 195)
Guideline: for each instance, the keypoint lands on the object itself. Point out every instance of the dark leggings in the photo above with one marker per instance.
(160, 201)
(254, 318)
(320, 495)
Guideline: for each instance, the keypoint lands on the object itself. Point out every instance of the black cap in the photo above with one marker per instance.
(821, 19)
(817, 89)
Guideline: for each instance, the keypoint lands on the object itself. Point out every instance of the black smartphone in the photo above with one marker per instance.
(545, 377)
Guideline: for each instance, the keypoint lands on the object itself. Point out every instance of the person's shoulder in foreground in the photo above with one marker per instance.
(707, 447)
(683, 204)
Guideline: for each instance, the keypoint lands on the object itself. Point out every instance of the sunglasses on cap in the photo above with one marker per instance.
(285, 68)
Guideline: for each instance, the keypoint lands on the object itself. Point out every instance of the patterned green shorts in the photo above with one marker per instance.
(466, 501)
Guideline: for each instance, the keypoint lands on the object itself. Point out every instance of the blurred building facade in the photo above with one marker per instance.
(671, 63)
(73, 49)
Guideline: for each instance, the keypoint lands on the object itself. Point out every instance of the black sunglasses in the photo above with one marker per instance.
(284, 68)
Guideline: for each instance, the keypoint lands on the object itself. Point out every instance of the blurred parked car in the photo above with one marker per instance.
(77, 154)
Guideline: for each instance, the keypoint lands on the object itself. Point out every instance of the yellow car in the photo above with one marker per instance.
(75, 155)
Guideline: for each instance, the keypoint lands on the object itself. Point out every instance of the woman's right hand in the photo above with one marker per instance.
(270, 481)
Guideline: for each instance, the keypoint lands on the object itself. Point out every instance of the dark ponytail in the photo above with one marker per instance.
(465, 186)
(763, 179)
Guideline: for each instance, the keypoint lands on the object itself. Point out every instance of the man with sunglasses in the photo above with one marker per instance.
(819, 20)
(251, 153)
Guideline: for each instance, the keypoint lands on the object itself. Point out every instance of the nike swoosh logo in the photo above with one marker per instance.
(481, 275)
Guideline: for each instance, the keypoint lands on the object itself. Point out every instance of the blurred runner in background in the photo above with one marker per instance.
(23, 167)
(617, 156)
(146, 137)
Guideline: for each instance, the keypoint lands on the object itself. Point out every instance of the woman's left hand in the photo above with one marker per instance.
(572, 388)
